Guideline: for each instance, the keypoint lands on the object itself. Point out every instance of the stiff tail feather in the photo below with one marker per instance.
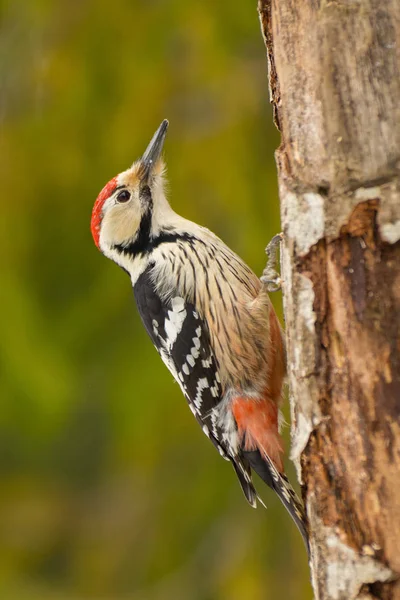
(243, 473)
(265, 468)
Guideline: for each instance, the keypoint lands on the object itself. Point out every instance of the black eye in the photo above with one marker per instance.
(123, 196)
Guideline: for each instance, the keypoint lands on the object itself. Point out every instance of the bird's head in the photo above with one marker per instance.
(123, 214)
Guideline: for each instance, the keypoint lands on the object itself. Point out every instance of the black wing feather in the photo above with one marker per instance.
(189, 356)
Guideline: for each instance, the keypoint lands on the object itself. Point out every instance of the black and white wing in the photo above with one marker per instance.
(183, 342)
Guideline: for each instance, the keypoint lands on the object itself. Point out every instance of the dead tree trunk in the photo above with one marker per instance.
(334, 79)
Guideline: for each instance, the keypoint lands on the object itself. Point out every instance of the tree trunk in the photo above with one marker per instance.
(334, 79)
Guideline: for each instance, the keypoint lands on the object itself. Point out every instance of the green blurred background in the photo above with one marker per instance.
(109, 489)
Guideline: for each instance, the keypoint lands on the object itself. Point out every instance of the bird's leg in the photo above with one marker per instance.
(270, 276)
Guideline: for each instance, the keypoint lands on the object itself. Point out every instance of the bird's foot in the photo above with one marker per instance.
(270, 277)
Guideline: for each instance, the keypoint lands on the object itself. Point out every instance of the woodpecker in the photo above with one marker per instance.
(209, 317)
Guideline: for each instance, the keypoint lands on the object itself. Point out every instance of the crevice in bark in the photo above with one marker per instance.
(264, 11)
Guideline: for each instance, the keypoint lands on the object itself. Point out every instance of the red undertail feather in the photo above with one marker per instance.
(257, 421)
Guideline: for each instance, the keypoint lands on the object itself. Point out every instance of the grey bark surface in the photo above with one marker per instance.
(334, 76)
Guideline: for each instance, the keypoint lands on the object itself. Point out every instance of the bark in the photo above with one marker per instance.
(334, 80)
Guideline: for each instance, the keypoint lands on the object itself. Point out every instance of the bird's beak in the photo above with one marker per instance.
(153, 150)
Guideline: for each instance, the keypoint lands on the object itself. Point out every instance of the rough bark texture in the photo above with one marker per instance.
(335, 87)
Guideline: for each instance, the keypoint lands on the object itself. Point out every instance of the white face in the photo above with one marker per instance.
(125, 204)
(121, 212)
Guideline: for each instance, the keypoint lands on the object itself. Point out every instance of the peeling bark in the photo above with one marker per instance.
(334, 72)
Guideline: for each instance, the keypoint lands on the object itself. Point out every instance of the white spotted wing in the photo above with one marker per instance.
(182, 340)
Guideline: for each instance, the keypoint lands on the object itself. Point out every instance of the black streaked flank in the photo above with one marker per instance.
(220, 292)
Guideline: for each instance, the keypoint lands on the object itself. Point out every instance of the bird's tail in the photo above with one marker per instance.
(243, 473)
(265, 468)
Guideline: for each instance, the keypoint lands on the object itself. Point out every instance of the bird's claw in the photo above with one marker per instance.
(274, 284)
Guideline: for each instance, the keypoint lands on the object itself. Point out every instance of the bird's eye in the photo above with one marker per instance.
(123, 196)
